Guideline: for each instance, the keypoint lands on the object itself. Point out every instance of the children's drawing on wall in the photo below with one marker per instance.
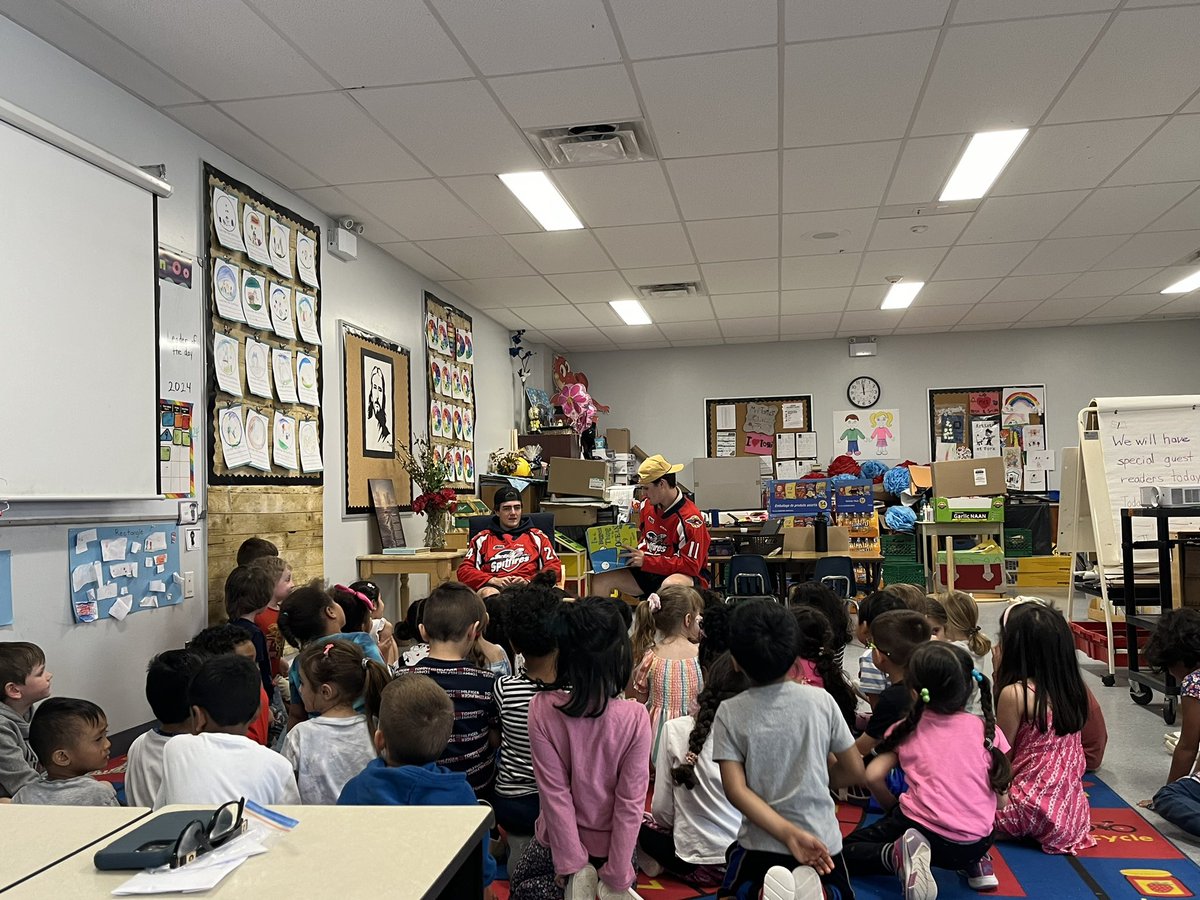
(851, 434)
(1014, 475)
(306, 259)
(280, 248)
(885, 432)
(985, 438)
(285, 442)
(254, 226)
(951, 434)
(1029, 400)
(378, 405)
(985, 403)
(256, 437)
(225, 220)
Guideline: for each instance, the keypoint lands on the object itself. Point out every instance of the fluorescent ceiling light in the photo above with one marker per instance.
(1184, 285)
(901, 294)
(539, 195)
(631, 312)
(981, 163)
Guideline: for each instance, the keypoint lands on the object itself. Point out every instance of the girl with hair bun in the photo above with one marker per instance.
(816, 661)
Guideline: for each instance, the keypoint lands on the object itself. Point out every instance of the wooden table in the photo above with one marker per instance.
(37, 837)
(396, 851)
(438, 565)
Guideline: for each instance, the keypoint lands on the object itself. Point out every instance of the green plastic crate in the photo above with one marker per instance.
(903, 573)
(1018, 542)
(899, 547)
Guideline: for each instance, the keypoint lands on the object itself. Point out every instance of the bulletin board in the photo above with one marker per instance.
(124, 569)
(777, 429)
(378, 415)
(264, 343)
(450, 387)
(1006, 422)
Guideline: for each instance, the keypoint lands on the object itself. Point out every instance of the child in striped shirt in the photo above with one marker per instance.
(872, 682)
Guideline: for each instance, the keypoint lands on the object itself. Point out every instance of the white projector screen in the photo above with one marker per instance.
(78, 328)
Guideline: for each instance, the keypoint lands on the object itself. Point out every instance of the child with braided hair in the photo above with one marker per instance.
(954, 775)
(691, 823)
(816, 661)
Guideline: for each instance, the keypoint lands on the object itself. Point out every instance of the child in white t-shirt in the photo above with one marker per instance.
(328, 750)
(167, 679)
(218, 762)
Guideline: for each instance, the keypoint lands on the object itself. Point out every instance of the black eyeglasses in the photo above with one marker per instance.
(197, 838)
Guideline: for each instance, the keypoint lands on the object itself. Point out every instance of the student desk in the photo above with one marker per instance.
(439, 565)
(38, 837)
(336, 851)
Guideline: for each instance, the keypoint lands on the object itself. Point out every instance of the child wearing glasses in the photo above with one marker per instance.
(70, 738)
(895, 635)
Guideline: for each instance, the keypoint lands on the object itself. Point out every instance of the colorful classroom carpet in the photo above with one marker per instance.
(1131, 861)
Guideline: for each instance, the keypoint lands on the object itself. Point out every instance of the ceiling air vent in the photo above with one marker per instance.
(670, 290)
(589, 145)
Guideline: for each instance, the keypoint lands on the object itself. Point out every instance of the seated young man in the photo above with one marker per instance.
(673, 542)
(509, 551)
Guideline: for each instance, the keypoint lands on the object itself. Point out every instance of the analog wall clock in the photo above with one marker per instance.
(863, 392)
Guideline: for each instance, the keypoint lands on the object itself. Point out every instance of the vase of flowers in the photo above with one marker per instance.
(436, 500)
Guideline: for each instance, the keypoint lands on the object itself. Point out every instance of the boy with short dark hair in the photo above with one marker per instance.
(895, 635)
(217, 762)
(23, 682)
(773, 743)
(416, 718)
(226, 639)
(255, 548)
(70, 738)
(248, 590)
(451, 619)
(871, 682)
(167, 679)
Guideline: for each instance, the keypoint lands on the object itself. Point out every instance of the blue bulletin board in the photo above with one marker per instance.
(130, 567)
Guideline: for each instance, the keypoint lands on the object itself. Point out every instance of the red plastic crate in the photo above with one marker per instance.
(1091, 638)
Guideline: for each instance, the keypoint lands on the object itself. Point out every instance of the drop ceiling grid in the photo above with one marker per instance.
(447, 129)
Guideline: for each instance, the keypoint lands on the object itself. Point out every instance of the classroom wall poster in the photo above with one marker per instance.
(866, 434)
(176, 449)
(123, 569)
(6, 595)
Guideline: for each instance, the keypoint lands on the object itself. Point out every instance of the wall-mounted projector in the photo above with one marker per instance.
(1174, 495)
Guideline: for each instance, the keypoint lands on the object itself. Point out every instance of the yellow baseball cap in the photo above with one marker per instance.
(655, 467)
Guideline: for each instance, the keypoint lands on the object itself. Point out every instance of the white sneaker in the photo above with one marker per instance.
(582, 885)
(801, 883)
(913, 854)
(648, 864)
(607, 893)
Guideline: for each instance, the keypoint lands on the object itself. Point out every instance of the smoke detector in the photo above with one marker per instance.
(668, 291)
(595, 144)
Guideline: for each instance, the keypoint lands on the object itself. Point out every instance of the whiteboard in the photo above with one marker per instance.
(78, 302)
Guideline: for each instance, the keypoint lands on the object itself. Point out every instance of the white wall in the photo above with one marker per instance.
(106, 661)
(660, 394)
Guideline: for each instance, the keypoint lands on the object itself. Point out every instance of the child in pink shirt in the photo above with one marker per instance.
(954, 774)
(590, 754)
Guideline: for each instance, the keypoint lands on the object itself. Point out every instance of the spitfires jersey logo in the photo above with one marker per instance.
(509, 559)
(656, 544)
(694, 521)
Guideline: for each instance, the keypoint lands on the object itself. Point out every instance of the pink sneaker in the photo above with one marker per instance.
(981, 876)
(911, 853)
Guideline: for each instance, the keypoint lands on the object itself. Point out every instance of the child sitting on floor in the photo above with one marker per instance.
(248, 591)
(895, 635)
(1174, 647)
(70, 738)
(23, 682)
(226, 640)
(167, 679)
(381, 628)
(820, 597)
(815, 660)
(872, 682)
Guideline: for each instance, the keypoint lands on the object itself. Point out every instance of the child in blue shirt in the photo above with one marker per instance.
(415, 720)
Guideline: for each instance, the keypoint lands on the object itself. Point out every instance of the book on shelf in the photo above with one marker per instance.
(405, 551)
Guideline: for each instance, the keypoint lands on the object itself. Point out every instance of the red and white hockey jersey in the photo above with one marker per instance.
(674, 539)
(496, 553)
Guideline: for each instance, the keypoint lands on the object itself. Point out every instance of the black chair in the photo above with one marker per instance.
(837, 573)
(543, 522)
(747, 575)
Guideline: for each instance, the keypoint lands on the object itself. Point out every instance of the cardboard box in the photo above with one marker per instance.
(572, 513)
(578, 477)
(802, 539)
(968, 509)
(618, 439)
(969, 478)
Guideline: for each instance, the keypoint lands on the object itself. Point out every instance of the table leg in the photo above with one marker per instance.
(404, 594)
(951, 577)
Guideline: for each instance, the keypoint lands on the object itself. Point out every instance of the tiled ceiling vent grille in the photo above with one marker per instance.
(591, 145)
(671, 290)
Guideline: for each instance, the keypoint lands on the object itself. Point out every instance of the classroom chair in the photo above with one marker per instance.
(747, 575)
(543, 522)
(837, 573)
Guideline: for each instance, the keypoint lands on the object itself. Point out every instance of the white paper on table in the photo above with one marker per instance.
(306, 259)
(83, 538)
(227, 361)
(306, 317)
(157, 587)
(1039, 459)
(280, 301)
(310, 447)
(202, 875)
(306, 379)
(258, 430)
(254, 300)
(726, 443)
(284, 441)
(726, 417)
(280, 248)
(113, 549)
(785, 445)
(88, 573)
(120, 608)
(156, 541)
(793, 416)
(225, 220)
(806, 445)
(234, 446)
(227, 279)
(258, 368)
(285, 379)
(107, 591)
(254, 227)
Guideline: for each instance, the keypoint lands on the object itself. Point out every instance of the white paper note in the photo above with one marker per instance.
(726, 416)
(787, 469)
(306, 317)
(726, 443)
(258, 436)
(285, 379)
(233, 440)
(254, 229)
(148, 602)
(177, 578)
(806, 444)
(306, 259)
(120, 608)
(766, 466)
(310, 447)
(280, 248)
(88, 573)
(254, 300)
(124, 591)
(83, 538)
(227, 362)
(1033, 437)
(1035, 479)
(227, 279)
(107, 591)
(760, 418)
(1039, 459)
(284, 441)
(985, 436)
(225, 220)
(158, 587)
(306, 379)
(121, 570)
(793, 416)
(258, 368)
(280, 301)
(156, 541)
(159, 570)
(135, 547)
(785, 445)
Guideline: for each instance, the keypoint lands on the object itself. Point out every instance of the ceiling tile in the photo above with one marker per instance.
(812, 336)
(1184, 306)
(1096, 284)
(1107, 87)
(454, 128)
(990, 11)
(844, 177)
(623, 335)
(685, 331)
(1163, 248)
(719, 187)
(703, 342)
(953, 293)
(1162, 279)
(1065, 308)
(661, 274)
(675, 27)
(335, 204)
(939, 329)
(920, 316)
(600, 314)
(716, 240)
(1002, 75)
(420, 210)
(679, 309)
(1168, 156)
(1133, 305)
(478, 257)
(813, 300)
(914, 265)
(979, 326)
(555, 252)
(328, 134)
(1122, 210)
(1057, 157)
(579, 339)
(744, 277)
(381, 42)
(229, 52)
(754, 339)
(987, 313)
(746, 306)
(875, 321)
(793, 326)
(1069, 255)
(810, 20)
(521, 290)
(799, 272)
(592, 287)
(418, 260)
(762, 326)
(918, 231)
(547, 317)
(508, 319)
(1182, 217)
(982, 261)
(1028, 287)
(852, 227)
(233, 138)
(568, 97)
(858, 89)
(493, 202)
(1026, 218)
(71, 33)
(925, 165)
(867, 296)
(646, 245)
(626, 194)
(503, 38)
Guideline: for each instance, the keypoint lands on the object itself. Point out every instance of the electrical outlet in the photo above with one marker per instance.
(189, 512)
(191, 538)
(189, 585)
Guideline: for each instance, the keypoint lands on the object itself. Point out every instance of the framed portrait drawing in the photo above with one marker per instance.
(379, 409)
